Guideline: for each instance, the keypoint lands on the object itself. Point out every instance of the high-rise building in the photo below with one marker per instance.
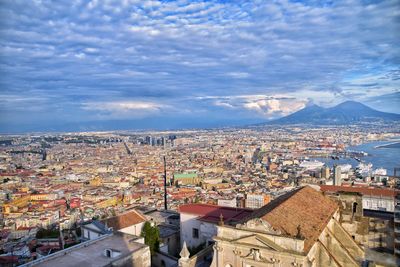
(325, 173)
(148, 140)
(337, 176)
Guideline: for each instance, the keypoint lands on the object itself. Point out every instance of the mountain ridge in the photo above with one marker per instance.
(348, 112)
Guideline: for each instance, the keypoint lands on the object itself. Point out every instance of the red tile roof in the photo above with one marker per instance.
(362, 190)
(302, 213)
(125, 220)
(5, 259)
(212, 213)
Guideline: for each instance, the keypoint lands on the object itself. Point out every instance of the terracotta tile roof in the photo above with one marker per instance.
(301, 213)
(362, 190)
(124, 220)
(212, 213)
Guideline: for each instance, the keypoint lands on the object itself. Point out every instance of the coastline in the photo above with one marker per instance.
(389, 145)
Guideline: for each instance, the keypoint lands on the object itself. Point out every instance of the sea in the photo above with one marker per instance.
(382, 154)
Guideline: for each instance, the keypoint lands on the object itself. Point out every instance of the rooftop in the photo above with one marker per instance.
(91, 254)
(185, 175)
(124, 220)
(167, 230)
(386, 192)
(212, 213)
(302, 213)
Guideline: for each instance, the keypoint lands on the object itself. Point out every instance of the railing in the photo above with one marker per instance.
(64, 251)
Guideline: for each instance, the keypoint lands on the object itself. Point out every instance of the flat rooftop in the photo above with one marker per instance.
(92, 254)
(368, 191)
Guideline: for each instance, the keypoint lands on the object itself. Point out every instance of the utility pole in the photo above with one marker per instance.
(61, 236)
(165, 184)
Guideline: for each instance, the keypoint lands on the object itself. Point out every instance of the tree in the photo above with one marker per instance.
(151, 236)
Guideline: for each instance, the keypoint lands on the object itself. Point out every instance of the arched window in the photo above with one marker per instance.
(355, 207)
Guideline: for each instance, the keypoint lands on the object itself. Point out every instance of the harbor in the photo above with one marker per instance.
(381, 154)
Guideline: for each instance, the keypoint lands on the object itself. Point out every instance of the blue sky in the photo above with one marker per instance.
(134, 64)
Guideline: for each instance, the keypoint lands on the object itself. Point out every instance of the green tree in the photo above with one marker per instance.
(151, 236)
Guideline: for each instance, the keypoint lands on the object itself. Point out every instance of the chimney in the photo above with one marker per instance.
(221, 220)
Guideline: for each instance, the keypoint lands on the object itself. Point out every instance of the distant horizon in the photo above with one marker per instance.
(183, 128)
(191, 64)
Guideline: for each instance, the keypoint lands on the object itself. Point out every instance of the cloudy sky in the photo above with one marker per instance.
(134, 64)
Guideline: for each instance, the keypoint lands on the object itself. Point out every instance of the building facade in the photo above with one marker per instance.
(290, 231)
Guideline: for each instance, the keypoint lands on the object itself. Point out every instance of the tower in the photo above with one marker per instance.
(337, 176)
(165, 184)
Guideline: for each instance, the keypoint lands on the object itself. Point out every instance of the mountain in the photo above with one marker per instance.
(349, 112)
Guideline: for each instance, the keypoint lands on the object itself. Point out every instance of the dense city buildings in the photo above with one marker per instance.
(257, 195)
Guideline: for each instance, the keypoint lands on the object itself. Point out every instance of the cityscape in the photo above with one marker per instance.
(199, 133)
(59, 190)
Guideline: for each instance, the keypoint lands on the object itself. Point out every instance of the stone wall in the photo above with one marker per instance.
(140, 258)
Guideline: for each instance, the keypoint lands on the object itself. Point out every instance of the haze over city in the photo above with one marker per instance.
(103, 65)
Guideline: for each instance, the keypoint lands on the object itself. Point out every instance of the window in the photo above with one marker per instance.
(354, 207)
(195, 233)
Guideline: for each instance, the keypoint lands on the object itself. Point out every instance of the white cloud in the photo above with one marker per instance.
(91, 50)
(124, 106)
(238, 75)
(80, 55)
(276, 107)
(268, 106)
(263, 57)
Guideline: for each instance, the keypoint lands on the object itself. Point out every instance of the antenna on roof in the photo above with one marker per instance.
(165, 184)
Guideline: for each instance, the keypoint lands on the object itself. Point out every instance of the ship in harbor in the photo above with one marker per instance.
(312, 164)
(364, 169)
(380, 172)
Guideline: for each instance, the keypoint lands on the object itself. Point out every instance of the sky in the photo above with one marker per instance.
(138, 64)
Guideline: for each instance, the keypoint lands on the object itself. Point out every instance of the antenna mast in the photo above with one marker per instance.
(165, 184)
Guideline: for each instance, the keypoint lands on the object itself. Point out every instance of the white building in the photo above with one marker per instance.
(93, 230)
(375, 199)
(199, 222)
(337, 176)
(227, 202)
(378, 202)
(256, 201)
